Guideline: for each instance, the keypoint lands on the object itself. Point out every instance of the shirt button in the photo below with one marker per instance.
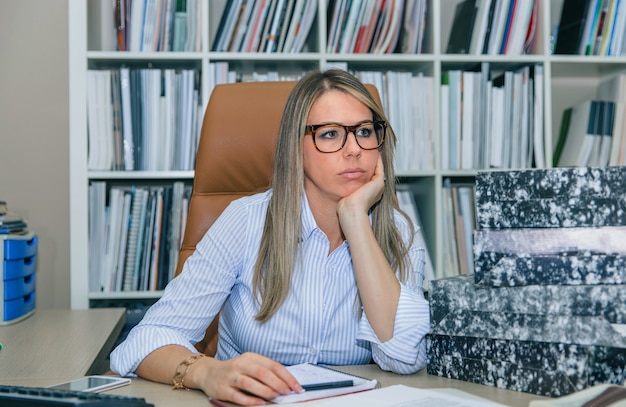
(312, 350)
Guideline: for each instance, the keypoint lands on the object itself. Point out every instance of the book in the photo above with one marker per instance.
(480, 27)
(242, 26)
(616, 156)
(444, 130)
(10, 220)
(462, 27)
(97, 232)
(294, 24)
(506, 36)
(491, 23)
(550, 198)
(563, 129)
(580, 135)
(592, 13)
(603, 40)
(547, 256)
(285, 25)
(617, 34)
(537, 123)
(328, 381)
(303, 29)
(407, 203)
(267, 23)
(451, 252)
(606, 135)
(499, 25)
(271, 40)
(520, 26)
(116, 101)
(598, 395)
(127, 119)
(227, 25)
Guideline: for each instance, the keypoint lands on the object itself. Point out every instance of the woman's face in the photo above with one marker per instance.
(335, 175)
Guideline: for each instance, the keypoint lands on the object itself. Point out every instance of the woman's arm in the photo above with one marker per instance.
(377, 283)
(249, 379)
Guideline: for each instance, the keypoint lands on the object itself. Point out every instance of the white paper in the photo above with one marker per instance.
(405, 396)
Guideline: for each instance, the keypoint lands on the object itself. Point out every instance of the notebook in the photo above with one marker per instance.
(323, 381)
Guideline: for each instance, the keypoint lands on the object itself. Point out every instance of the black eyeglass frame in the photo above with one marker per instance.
(312, 128)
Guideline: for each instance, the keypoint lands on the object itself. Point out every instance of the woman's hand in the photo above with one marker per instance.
(361, 200)
(249, 379)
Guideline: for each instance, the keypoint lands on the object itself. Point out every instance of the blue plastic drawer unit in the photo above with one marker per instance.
(17, 293)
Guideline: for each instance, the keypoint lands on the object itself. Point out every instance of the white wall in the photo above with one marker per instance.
(34, 127)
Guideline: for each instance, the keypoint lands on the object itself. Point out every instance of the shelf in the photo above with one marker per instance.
(567, 79)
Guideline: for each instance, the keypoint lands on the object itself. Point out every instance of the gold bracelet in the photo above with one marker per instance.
(182, 369)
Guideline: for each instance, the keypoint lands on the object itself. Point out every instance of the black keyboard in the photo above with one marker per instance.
(21, 396)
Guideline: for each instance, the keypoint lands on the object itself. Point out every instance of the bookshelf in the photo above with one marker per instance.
(566, 80)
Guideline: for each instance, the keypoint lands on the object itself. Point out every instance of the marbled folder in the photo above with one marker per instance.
(459, 293)
(567, 256)
(556, 197)
(549, 355)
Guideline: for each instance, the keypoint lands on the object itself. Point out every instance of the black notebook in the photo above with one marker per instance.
(462, 27)
(571, 26)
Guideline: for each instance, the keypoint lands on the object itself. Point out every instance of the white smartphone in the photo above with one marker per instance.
(92, 383)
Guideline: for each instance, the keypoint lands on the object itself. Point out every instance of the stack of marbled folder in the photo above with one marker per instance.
(545, 310)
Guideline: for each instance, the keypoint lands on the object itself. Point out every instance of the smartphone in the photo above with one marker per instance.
(92, 383)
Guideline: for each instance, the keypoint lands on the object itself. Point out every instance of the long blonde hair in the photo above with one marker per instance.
(282, 231)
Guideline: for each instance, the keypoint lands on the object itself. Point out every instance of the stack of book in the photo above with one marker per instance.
(135, 235)
(591, 27)
(10, 222)
(493, 27)
(265, 26)
(545, 309)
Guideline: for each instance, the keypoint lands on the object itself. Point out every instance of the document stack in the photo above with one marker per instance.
(18, 249)
(545, 310)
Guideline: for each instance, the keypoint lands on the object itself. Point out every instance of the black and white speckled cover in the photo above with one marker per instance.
(547, 340)
(566, 256)
(459, 293)
(556, 197)
(545, 368)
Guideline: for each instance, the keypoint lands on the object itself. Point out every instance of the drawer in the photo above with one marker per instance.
(18, 307)
(19, 268)
(19, 287)
(19, 248)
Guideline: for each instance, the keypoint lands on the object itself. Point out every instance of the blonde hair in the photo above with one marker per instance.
(282, 231)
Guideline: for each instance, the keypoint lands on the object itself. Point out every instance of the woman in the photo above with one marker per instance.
(321, 268)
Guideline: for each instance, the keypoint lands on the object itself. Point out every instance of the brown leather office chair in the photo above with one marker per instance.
(235, 158)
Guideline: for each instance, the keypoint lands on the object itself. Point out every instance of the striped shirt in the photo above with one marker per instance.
(317, 323)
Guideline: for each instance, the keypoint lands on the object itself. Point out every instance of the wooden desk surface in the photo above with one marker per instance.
(162, 395)
(59, 343)
(53, 346)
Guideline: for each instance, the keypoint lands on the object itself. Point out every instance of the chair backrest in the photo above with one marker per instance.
(235, 158)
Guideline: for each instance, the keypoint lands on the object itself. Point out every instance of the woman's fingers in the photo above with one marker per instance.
(250, 379)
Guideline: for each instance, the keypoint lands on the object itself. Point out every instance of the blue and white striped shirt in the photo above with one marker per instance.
(317, 323)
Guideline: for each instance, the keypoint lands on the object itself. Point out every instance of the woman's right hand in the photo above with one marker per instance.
(248, 379)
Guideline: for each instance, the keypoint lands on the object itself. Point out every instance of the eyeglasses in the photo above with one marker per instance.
(331, 137)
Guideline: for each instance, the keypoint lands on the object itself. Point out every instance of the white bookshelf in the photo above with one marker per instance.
(567, 80)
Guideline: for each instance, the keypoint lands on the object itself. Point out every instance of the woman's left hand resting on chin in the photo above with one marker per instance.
(361, 201)
(249, 379)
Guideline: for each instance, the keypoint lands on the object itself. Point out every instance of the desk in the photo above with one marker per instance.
(162, 395)
(59, 343)
(53, 346)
